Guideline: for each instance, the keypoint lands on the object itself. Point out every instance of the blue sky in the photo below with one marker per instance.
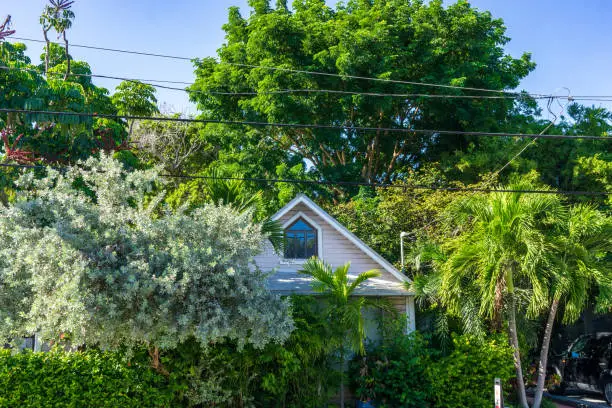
(570, 40)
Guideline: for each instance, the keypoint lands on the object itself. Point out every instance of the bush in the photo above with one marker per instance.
(395, 373)
(406, 371)
(80, 379)
(465, 377)
(299, 373)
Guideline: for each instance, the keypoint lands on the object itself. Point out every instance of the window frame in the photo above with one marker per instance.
(318, 238)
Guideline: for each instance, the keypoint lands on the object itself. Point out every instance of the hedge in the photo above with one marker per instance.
(80, 379)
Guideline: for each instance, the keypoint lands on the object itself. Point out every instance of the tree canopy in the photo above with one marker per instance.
(392, 40)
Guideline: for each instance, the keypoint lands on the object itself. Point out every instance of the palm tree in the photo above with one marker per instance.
(497, 255)
(345, 310)
(582, 242)
(58, 16)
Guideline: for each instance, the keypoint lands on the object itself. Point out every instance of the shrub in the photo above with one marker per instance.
(405, 371)
(80, 379)
(299, 373)
(465, 377)
(395, 373)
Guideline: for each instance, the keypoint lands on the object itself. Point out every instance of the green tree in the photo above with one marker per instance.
(133, 98)
(386, 39)
(582, 241)
(379, 216)
(91, 252)
(345, 309)
(58, 16)
(56, 55)
(498, 258)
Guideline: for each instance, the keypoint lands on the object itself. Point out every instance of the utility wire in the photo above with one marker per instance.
(272, 68)
(502, 168)
(348, 183)
(509, 94)
(154, 83)
(307, 126)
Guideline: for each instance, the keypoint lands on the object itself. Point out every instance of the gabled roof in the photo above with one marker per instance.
(302, 199)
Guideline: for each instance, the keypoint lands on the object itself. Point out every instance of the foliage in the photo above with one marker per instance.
(91, 252)
(501, 240)
(298, 373)
(345, 306)
(134, 98)
(465, 377)
(53, 138)
(512, 251)
(176, 147)
(395, 373)
(80, 379)
(379, 216)
(59, 16)
(392, 39)
(406, 371)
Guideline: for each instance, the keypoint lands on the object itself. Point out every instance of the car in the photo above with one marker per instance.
(586, 366)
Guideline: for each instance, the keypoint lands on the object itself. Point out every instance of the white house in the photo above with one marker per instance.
(310, 231)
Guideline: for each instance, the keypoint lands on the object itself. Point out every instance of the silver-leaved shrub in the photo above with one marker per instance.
(93, 253)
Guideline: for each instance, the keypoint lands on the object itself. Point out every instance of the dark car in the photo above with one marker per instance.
(587, 365)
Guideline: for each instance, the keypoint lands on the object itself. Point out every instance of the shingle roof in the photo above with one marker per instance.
(289, 283)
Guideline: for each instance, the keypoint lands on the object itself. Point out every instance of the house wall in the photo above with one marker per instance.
(335, 249)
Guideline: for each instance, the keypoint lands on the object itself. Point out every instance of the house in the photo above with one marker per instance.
(310, 231)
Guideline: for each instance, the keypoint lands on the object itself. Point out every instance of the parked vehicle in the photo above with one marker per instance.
(586, 366)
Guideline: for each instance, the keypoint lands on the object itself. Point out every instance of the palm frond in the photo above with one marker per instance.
(361, 278)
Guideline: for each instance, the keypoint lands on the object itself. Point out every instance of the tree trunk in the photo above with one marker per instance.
(47, 50)
(522, 396)
(156, 362)
(542, 364)
(67, 56)
(342, 372)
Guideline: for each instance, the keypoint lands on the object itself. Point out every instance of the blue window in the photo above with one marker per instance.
(300, 240)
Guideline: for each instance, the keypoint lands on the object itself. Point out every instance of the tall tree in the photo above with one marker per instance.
(582, 241)
(58, 16)
(401, 40)
(499, 255)
(133, 98)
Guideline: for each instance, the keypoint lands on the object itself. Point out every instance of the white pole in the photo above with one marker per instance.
(402, 235)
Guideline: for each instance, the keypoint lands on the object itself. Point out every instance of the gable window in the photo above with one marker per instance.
(300, 240)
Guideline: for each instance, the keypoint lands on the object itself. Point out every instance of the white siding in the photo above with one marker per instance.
(336, 250)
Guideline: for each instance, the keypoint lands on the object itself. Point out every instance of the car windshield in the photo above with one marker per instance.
(579, 345)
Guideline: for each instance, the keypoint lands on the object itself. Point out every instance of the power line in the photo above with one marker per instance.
(307, 126)
(497, 172)
(153, 82)
(272, 68)
(510, 94)
(354, 183)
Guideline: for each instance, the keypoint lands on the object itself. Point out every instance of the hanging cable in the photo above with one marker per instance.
(272, 68)
(153, 82)
(348, 183)
(306, 126)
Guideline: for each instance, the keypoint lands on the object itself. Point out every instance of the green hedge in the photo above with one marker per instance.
(406, 372)
(465, 377)
(80, 379)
